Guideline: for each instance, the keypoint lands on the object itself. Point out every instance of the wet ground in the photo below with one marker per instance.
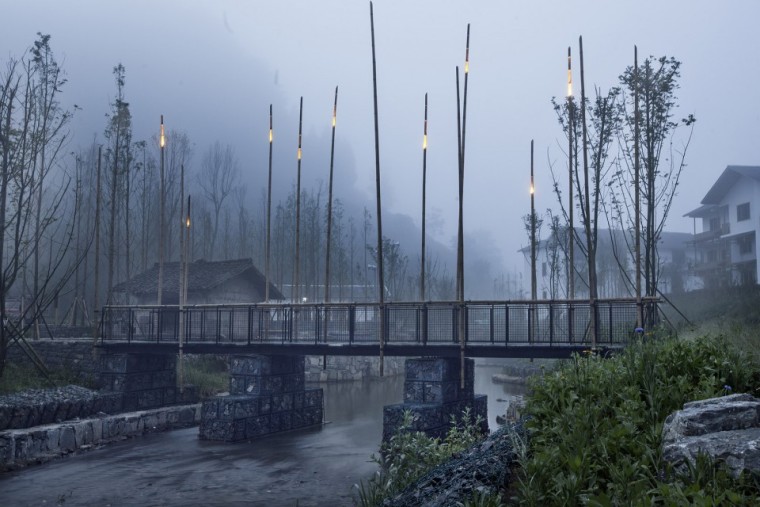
(314, 467)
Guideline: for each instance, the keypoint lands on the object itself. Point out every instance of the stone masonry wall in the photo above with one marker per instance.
(144, 380)
(267, 395)
(433, 393)
(21, 447)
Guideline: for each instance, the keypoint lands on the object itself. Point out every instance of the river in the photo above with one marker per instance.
(314, 467)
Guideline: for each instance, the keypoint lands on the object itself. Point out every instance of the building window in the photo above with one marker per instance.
(745, 244)
(742, 212)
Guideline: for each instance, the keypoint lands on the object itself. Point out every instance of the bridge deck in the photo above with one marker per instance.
(491, 328)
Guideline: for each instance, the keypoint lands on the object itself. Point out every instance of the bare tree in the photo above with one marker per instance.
(33, 208)
(218, 176)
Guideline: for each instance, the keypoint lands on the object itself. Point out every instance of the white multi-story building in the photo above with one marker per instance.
(615, 265)
(725, 250)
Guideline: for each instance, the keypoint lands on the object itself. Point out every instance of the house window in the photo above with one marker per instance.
(742, 212)
(745, 244)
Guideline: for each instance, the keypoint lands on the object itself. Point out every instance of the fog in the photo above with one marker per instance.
(213, 68)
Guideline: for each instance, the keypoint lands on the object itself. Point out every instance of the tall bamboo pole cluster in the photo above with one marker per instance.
(161, 246)
(461, 136)
(380, 277)
(269, 211)
(424, 185)
(297, 268)
(571, 204)
(330, 200)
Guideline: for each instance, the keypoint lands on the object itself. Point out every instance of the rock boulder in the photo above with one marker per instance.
(727, 429)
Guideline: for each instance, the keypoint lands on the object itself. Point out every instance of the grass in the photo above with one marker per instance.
(208, 373)
(19, 377)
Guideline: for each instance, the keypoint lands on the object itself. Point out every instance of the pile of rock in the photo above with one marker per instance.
(484, 468)
(726, 429)
(34, 407)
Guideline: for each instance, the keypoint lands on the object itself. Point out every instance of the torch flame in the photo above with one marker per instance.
(162, 140)
(187, 222)
(532, 189)
(299, 153)
(270, 135)
(569, 74)
(424, 142)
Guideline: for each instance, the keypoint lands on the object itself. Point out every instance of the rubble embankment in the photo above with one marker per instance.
(484, 468)
(42, 424)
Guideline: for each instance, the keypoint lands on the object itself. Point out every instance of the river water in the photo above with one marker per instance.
(313, 467)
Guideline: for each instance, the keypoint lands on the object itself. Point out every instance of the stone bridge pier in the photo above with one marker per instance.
(267, 395)
(433, 394)
(144, 381)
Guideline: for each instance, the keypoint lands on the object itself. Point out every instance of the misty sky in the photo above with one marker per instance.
(213, 68)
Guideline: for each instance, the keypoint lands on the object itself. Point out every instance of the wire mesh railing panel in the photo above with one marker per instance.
(521, 323)
(441, 324)
(338, 321)
(403, 324)
(479, 323)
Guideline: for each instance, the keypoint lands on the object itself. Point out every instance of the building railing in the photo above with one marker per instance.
(497, 323)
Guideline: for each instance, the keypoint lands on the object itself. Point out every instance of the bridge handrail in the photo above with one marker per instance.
(487, 322)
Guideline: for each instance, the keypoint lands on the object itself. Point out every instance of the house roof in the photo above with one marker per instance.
(703, 211)
(731, 174)
(202, 276)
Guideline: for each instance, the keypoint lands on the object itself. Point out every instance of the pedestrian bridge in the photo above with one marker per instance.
(540, 328)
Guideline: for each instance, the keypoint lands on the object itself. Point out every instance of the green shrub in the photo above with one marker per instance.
(595, 424)
(408, 455)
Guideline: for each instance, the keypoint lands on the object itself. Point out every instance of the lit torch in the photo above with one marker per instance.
(569, 74)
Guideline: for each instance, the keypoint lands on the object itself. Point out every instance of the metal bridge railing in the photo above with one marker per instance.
(496, 323)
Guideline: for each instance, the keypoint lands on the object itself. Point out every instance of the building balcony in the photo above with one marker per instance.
(724, 229)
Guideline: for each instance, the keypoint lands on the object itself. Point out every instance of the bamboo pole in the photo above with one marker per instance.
(181, 291)
(589, 250)
(380, 277)
(460, 246)
(533, 280)
(329, 205)
(269, 211)
(424, 182)
(297, 269)
(161, 199)
(571, 204)
(183, 275)
(637, 196)
(96, 306)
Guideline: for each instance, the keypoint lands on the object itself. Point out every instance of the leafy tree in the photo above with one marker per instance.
(662, 153)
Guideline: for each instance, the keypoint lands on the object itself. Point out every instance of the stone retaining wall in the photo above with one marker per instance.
(45, 406)
(22, 447)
